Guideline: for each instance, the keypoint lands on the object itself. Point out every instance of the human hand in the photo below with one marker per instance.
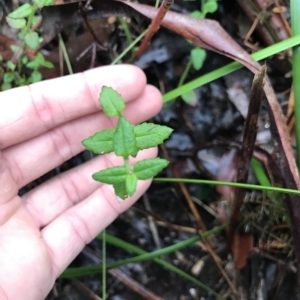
(42, 126)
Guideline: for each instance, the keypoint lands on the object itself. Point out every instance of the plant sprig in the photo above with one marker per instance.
(24, 19)
(197, 55)
(126, 140)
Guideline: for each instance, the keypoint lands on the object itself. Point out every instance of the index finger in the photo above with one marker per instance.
(28, 111)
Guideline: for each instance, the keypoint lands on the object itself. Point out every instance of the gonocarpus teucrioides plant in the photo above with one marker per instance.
(126, 140)
(22, 69)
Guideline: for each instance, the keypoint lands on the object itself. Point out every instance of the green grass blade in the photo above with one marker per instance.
(143, 255)
(295, 13)
(264, 180)
(260, 173)
(262, 54)
(227, 183)
(128, 48)
(126, 30)
(185, 72)
(65, 53)
(166, 250)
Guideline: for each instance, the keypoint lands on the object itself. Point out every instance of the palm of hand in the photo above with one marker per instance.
(25, 258)
(43, 231)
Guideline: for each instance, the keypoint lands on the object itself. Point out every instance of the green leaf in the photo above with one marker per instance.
(39, 58)
(21, 12)
(23, 81)
(210, 7)
(150, 135)
(198, 56)
(36, 76)
(17, 24)
(24, 60)
(197, 14)
(190, 98)
(48, 64)
(32, 64)
(32, 40)
(111, 102)
(100, 142)
(120, 190)
(6, 86)
(42, 3)
(36, 20)
(148, 168)
(21, 35)
(14, 48)
(131, 182)
(124, 141)
(11, 65)
(8, 77)
(48, 2)
(1, 58)
(113, 175)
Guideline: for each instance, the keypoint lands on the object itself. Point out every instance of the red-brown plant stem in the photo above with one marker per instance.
(154, 26)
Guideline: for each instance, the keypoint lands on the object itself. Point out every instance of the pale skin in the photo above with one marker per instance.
(41, 126)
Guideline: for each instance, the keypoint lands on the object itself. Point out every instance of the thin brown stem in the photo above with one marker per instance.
(154, 26)
(246, 151)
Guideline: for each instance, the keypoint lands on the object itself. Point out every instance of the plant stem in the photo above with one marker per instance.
(228, 183)
(128, 48)
(185, 72)
(26, 30)
(65, 53)
(30, 18)
(202, 6)
(104, 264)
(127, 165)
(295, 12)
(126, 31)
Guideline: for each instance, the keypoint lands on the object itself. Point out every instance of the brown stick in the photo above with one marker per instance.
(154, 26)
(246, 151)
